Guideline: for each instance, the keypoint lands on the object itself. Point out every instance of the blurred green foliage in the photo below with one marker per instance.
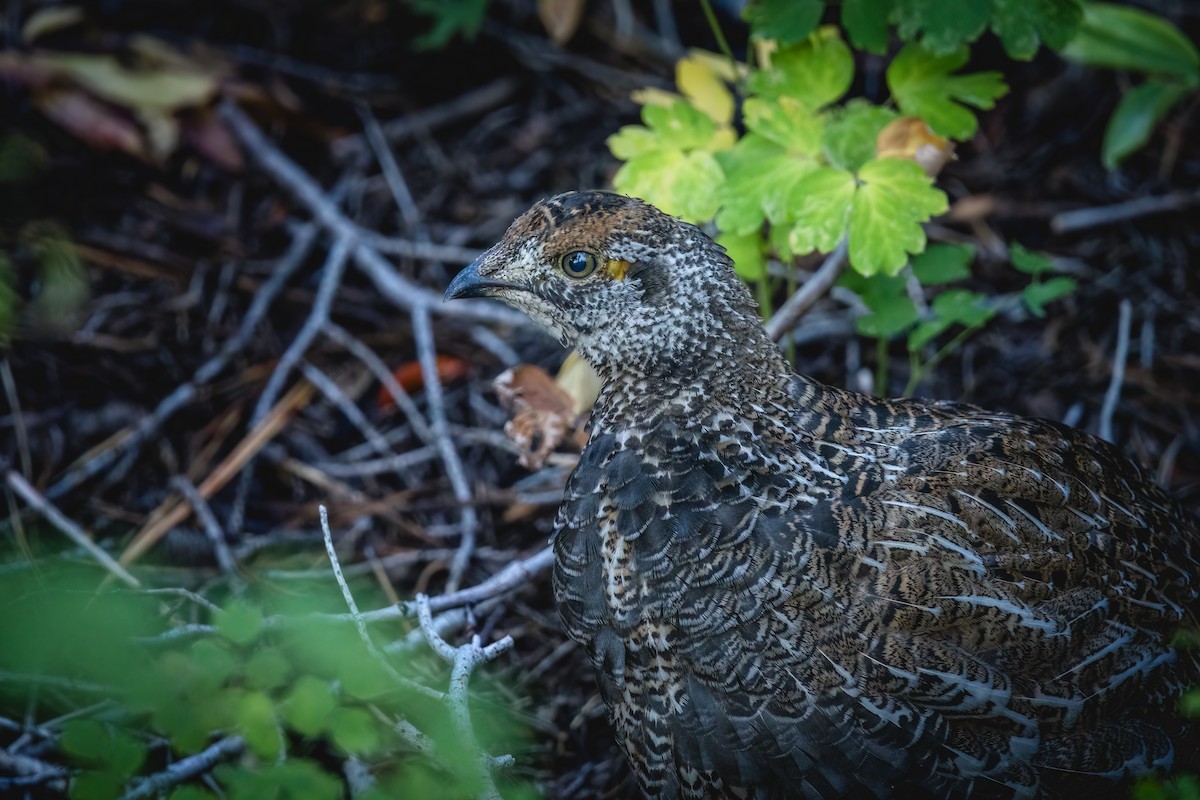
(150, 678)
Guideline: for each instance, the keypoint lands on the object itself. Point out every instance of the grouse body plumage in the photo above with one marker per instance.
(793, 590)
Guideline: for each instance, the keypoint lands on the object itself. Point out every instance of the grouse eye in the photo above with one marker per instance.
(578, 264)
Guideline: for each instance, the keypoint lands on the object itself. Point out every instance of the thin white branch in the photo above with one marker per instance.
(427, 355)
(367, 246)
(357, 616)
(464, 659)
(794, 307)
(186, 768)
(1113, 394)
(208, 520)
(303, 238)
(72, 531)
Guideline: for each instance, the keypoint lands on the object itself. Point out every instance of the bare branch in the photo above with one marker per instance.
(302, 242)
(427, 355)
(367, 246)
(464, 659)
(1113, 394)
(186, 768)
(73, 532)
(812, 290)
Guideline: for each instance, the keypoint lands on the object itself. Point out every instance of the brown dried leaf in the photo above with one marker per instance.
(543, 413)
(561, 18)
(210, 137)
(96, 123)
(911, 138)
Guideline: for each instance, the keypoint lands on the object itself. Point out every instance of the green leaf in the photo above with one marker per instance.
(191, 793)
(850, 134)
(681, 124)
(96, 786)
(1039, 293)
(922, 85)
(63, 283)
(8, 299)
(635, 140)
(684, 185)
(267, 669)
(866, 23)
(1023, 24)
(1028, 261)
(894, 198)
(1120, 37)
(754, 168)
(20, 158)
(926, 331)
(819, 207)
(354, 731)
(943, 263)
(1135, 117)
(814, 73)
(240, 622)
(255, 718)
(212, 663)
(111, 749)
(309, 705)
(888, 319)
(1189, 703)
(962, 307)
(944, 25)
(787, 123)
(747, 254)
(787, 21)
(450, 18)
(85, 739)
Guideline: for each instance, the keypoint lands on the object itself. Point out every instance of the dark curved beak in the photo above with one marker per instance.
(469, 283)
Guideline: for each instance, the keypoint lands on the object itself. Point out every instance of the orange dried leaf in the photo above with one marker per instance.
(412, 379)
(911, 138)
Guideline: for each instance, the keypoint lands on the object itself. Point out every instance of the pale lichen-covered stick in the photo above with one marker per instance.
(793, 590)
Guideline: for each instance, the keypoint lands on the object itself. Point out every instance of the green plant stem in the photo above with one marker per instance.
(722, 43)
(949, 347)
(881, 366)
(764, 298)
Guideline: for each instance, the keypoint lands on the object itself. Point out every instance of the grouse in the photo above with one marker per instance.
(793, 590)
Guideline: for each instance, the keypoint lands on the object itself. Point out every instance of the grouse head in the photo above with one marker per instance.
(633, 289)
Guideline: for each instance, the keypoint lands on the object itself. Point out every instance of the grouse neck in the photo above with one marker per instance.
(720, 376)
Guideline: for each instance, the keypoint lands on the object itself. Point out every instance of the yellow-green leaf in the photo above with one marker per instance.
(747, 254)
(700, 83)
(815, 72)
(894, 198)
(683, 125)
(685, 185)
(757, 172)
(787, 123)
(819, 209)
(850, 135)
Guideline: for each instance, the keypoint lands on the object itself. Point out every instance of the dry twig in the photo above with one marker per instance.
(1113, 394)
(812, 290)
(73, 532)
